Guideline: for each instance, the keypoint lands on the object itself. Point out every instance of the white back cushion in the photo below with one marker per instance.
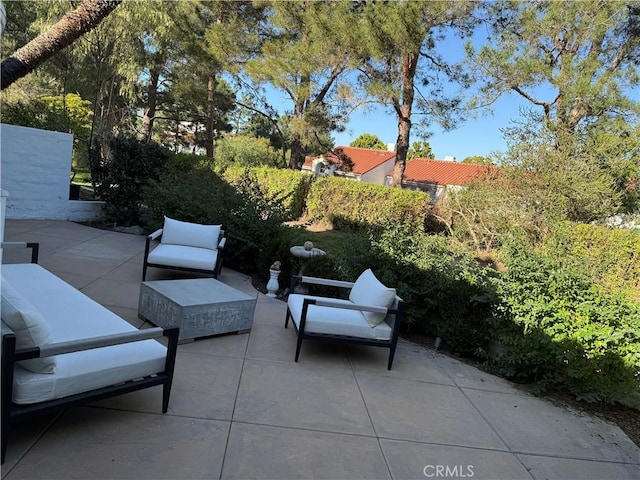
(368, 290)
(176, 232)
(28, 324)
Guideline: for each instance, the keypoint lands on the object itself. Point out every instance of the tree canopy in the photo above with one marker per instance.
(368, 140)
(575, 63)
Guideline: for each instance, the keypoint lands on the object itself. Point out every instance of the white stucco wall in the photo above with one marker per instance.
(34, 169)
(379, 174)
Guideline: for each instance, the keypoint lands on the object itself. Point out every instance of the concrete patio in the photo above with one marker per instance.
(241, 408)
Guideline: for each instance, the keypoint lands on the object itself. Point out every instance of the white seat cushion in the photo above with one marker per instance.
(182, 256)
(368, 290)
(71, 316)
(176, 232)
(335, 321)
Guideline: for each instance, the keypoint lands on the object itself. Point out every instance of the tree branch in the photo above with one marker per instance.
(69, 28)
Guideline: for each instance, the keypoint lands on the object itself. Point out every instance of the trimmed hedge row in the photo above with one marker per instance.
(351, 204)
(288, 187)
(342, 202)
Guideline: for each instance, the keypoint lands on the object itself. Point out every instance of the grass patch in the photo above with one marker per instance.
(80, 176)
(331, 241)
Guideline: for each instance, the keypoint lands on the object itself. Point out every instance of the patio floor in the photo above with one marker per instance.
(242, 408)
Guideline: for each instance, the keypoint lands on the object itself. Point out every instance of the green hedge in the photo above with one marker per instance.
(611, 255)
(121, 168)
(288, 187)
(347, 203)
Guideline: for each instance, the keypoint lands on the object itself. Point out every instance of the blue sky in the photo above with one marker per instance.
(480, 136)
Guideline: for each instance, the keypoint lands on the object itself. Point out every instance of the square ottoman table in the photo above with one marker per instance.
(200, 307)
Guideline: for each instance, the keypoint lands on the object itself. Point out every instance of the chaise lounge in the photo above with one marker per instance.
(61, 349)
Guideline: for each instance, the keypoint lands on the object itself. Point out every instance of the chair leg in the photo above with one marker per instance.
(166, 393)
(144, 271)
(5, 437)
(392, 352)
(299, 345)
(286, 318)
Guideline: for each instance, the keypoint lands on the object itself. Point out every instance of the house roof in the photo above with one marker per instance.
(364, 159)
(443, 172)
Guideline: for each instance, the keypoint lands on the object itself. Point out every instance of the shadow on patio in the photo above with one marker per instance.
(241, 408)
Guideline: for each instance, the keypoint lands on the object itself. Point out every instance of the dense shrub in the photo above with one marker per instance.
(287, 187)
(347, 203)
(183, 163)
(490, 209)
(121, 169)
(447, 292)
(611, 255)
(246, 151)
(555, 328)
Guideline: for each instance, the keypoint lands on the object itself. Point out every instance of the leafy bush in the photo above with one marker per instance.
(346, 203)
(611, 255)
(555, 328)
(121, 169)
(447, 292)
(246, 151)
(183, 163)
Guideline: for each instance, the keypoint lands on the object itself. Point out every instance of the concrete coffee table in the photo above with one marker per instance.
(200, 307)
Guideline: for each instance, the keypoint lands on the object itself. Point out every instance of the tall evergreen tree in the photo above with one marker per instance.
(306, 56)
(232, 37)
(574, 62)
(402, 38)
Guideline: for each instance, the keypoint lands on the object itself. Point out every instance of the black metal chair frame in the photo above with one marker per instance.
(328, 302)
(222, 241)
(13, 413)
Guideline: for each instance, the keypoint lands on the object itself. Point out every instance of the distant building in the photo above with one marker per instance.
(369, 165)
(437, 176)
(376, 166)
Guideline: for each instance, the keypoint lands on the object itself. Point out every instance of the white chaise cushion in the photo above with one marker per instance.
(176, 232)
(335, 321)
(29, 326)
(368, 290)
(72, 316)
(183, 256)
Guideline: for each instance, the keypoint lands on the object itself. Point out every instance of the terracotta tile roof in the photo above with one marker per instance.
(443, 172)
(364, 159)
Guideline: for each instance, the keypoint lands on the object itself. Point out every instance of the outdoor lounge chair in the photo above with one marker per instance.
(187, 247)
(371, 316)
